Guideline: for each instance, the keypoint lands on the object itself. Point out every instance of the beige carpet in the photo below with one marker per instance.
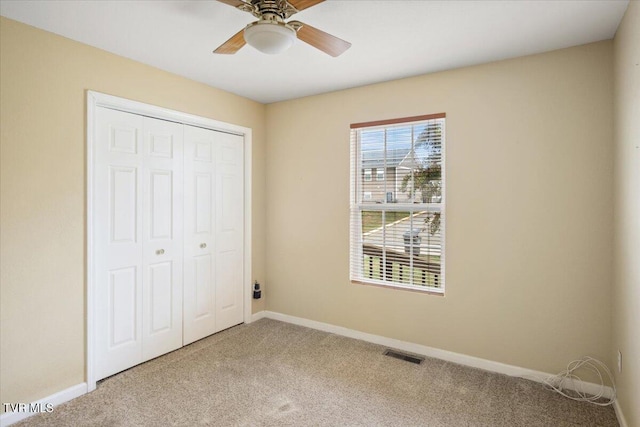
(271, 373)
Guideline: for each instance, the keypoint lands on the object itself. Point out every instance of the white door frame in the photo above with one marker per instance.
(96, 99)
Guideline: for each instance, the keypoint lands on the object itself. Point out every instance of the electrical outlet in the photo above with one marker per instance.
(619, 361)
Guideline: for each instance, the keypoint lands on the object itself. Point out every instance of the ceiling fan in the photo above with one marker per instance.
(272, 34)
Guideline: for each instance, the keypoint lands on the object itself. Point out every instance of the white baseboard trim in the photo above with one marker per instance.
(257, 316)
(620, 415)
(55, 399)
(449, 356)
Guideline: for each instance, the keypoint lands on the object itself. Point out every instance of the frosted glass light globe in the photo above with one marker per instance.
(269, 37)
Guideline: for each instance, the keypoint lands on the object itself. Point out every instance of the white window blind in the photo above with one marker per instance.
(397, 222)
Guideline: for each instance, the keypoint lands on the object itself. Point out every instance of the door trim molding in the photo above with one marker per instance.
(97, 99)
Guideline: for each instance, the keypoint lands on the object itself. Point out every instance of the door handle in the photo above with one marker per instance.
(159, 251)
(203, 245)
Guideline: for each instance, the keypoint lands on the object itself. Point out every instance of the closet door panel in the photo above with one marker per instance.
(204, 296)
(117, 240)
(163, 237)
(162, 300)
(199, 243)
(122, 319)
(229, 218)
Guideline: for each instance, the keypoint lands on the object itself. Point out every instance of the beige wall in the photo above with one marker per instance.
(43, 79)
(529, 209)
(626, 289)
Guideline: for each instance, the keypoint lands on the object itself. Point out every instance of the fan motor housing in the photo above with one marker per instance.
(277, 10)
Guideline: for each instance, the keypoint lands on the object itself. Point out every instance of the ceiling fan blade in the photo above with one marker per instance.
(327, 43)
(303, 4)
(234, 3)
(232, 45)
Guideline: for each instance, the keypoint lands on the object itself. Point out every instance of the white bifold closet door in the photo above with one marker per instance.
(168, 236)
(214, 232)
(138, 239)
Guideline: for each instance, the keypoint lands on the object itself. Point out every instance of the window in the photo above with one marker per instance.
(397, 227)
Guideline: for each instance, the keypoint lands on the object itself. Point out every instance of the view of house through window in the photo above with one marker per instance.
(397, 219)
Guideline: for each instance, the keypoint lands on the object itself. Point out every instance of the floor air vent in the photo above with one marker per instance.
(402, 356)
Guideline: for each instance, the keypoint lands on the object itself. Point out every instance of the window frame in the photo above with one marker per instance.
(358, 206)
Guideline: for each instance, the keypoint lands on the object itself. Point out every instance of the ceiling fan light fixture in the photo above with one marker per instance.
(270, 37)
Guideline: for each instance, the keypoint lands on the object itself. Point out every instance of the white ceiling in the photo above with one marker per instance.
(391, 39)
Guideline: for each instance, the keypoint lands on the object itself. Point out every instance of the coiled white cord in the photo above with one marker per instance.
(565, 382)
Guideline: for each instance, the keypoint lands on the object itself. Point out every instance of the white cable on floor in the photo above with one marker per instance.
(559, 383)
